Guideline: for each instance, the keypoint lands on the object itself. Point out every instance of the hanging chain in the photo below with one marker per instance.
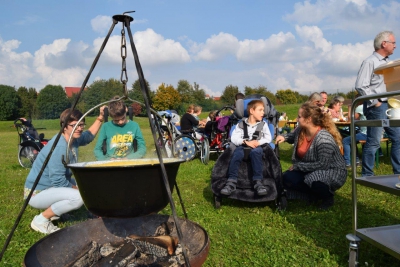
(123, 56)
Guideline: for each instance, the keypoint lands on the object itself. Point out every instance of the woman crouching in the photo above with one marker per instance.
(318, 168)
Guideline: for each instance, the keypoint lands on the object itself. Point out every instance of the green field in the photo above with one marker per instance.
(241, 233)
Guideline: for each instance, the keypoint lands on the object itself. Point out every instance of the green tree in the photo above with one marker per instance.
(26, 109)
(136, 92)
(33, 94)
(351, 95)
(100, 91)
(52, 100)
(260, 90)
(228, 95)
(10, 103)
(186, 91)
(286, 96)
(199, 95)
(166, 97)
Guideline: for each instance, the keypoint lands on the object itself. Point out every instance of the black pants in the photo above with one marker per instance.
(294, 180)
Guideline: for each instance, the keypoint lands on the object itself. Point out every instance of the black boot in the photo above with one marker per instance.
(327, 203)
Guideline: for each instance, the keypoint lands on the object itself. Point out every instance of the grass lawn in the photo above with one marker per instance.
(241, 233)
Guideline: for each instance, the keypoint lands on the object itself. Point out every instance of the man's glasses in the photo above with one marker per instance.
(81, 125)
(390, 42)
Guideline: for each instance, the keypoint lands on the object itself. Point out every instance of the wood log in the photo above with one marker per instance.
(165, 241)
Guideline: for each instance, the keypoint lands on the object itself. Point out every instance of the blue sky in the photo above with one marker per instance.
(302, 45)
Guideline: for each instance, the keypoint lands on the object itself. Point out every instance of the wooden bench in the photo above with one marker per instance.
(386, 140)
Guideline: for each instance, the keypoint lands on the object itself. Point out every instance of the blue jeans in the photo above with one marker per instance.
(256, 159)
(346, 146)
(373, 142)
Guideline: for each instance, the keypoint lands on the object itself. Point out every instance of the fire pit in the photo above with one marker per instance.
(124, 189)
(64, 246)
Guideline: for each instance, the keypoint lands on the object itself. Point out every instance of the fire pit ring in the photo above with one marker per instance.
(62, 247)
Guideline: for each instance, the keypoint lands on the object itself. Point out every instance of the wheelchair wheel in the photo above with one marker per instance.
(205, 151)
(27, 155)
(185, 147)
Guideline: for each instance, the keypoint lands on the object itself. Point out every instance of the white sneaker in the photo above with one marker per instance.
(45, 227)
(55, 218)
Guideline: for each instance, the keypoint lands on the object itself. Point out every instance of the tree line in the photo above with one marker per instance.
(50, 101)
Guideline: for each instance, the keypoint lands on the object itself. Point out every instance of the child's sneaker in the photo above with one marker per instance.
(43, 227)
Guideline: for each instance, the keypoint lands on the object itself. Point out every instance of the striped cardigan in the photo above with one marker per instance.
(322, 162)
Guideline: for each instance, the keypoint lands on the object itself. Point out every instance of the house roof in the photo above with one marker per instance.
(70, 91)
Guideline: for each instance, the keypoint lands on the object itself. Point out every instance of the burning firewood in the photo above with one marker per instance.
(165, 241)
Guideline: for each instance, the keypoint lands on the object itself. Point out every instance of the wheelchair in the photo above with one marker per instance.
(30, 142)
(272, 171)
(187, 147)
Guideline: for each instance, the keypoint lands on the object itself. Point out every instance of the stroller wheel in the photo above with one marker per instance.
(217, 201)
(27, 155)
(205, 151)
(185, 147)
(282, 203)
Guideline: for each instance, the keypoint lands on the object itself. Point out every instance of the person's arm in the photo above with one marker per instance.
(237, 135)
(98, 149)
(55, 166)
(266, 137)
(97, 123)
(363, 81)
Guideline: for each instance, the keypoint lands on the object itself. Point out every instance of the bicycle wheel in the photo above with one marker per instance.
(185, 147)
(205, 151)
(27, 155)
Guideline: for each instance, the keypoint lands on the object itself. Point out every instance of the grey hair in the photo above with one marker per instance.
(382, 36)
(339, 98)
(315, 97)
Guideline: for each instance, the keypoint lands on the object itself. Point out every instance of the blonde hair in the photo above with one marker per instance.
(197, 109)
(190, 108)
(321, 119)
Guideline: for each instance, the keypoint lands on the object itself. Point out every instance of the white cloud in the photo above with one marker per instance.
(101, 24)
(15, 68)
(216, 47)
(71, 76)
(348, 15)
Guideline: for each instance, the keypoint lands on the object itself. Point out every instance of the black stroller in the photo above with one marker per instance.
(272, 171)
(29, 142)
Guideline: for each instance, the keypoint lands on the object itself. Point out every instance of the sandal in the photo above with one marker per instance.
(260, 189)
(228, 189)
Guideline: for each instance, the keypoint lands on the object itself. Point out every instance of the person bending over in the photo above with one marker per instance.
(119, 138)
(56, 193)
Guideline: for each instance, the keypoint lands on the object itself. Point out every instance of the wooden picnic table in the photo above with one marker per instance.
(292, 124)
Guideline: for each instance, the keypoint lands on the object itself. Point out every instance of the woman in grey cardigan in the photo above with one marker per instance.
(318, 168)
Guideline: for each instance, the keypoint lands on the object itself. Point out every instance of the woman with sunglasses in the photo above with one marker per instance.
(56, 192)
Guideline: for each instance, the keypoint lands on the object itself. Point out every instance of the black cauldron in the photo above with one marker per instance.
(124, 189)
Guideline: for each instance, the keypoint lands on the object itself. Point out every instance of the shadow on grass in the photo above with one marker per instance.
(329, 228)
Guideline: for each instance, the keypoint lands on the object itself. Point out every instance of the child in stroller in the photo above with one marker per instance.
(249, 140)
(271, 168)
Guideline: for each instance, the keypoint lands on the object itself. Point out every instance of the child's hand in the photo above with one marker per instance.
(279, 139)
(252, 143)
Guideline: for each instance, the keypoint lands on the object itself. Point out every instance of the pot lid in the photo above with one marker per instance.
(394, 103)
